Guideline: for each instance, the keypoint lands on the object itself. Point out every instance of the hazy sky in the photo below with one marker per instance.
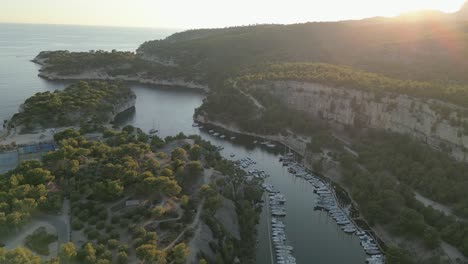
(205, 13)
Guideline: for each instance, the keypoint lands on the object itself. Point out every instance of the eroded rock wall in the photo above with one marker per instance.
(437, 123)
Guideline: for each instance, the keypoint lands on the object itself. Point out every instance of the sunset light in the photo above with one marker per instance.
(206, 13)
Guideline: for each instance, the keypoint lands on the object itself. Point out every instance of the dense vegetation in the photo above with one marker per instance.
(103, 64)
(230, 106)
(40, 240)
(395, 165)
(65, 62)
(95, 174)
(245, 195)
(339, 76)
(384, 202)
(333, 75)
(23, 191)
(433, 173)
(82, 103)
(399, 47)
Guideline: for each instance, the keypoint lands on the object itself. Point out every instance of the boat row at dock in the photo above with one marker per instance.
(282, 250)
(328, 202)
(216, 134)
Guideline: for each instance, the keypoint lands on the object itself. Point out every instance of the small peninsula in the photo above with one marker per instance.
(114, 66)
(79, 104)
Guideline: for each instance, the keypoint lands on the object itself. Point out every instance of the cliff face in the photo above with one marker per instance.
(101, 73)
(439, 124)
(96, 75)
(123, 106)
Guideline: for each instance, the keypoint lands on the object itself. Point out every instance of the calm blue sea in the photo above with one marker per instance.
(20, 43)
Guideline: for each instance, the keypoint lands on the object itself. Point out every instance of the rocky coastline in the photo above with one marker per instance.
(102, 76)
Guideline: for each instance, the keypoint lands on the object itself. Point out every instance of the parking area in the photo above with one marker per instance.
(10, 159)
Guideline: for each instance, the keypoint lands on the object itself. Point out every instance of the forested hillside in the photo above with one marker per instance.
(346, 77)
(429, 47)
(84, 102)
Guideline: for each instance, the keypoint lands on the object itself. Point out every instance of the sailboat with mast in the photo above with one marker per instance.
(153, 130)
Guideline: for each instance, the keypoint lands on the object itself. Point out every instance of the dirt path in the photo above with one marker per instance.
(18, 239)
(255, 101)
(192, 244)
(162, 221)
(191, 226)
(58, 224)
(438, 206)
(453, 253)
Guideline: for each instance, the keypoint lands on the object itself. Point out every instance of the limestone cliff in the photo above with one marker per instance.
(437, 123)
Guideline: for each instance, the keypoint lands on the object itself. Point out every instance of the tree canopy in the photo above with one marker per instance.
(80, 103)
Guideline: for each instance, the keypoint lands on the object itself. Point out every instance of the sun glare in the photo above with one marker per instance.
(207, 13)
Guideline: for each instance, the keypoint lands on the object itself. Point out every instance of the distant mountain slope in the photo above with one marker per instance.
(462, 14)
(426, 46)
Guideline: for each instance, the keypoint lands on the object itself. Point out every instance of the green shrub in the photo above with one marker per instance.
(39, 241)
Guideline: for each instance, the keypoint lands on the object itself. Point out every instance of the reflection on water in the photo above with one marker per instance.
(167, 109)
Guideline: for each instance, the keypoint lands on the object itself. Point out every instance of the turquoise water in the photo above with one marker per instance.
(315, 237)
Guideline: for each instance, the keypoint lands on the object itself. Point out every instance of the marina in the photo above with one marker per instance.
(327, 202)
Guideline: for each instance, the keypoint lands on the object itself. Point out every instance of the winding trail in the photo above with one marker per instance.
(255, 101)
(438, 206)
(452, 252)
(60, 222)
(191, 226)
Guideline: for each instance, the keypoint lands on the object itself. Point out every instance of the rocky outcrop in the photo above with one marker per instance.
(227, 215)
(201, 243)
(439, 124)
(125, 105)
